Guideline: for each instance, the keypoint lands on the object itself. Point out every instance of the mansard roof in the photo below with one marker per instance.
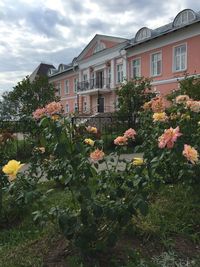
(163, 30)
(41, 70)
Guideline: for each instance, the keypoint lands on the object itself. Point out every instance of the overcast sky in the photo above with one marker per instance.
(55, 31)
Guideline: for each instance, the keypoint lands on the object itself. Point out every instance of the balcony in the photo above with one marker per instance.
(94, 85)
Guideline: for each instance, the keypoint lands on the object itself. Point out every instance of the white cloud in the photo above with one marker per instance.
(32, 31)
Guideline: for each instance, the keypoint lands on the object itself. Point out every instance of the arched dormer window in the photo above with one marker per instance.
(61, 67)
(99, 46)
(184, 17)
(51, 71)
(142, 34)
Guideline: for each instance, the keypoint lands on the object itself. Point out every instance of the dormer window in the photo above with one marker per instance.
(99, 46)
(61, 68)
(143, 34)
(184, 17)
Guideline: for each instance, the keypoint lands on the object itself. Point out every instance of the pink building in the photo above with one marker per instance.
(165, 54)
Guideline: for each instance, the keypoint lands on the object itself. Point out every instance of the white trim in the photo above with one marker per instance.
(151, 54)
(68, 97)
(173, 80)
(101, 59)
(60, 77)
(180, 35)
(94, 91)
(173, 55)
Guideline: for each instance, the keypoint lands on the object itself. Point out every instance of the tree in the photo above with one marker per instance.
(27, 96)
(131, 96)
(7, 108)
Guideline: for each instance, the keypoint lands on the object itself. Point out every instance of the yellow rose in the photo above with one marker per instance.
(89, 141)
(40, 149)
(137, 161)
(12, 168)
(91, 129)
(55, 117)
(159, 116)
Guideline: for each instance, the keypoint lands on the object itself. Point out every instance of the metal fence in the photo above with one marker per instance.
(17, 139)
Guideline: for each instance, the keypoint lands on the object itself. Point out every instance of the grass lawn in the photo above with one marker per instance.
(168, 237)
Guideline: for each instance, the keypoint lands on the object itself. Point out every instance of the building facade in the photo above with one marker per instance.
(166, 54)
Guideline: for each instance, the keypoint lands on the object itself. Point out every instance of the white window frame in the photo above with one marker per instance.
(67, 107)
(174, 61)
(75, 85)
(67, 87)
(58, 88)
(85, 76)
(183, 18)
(132, 67)
(151, 64)
(120, 72)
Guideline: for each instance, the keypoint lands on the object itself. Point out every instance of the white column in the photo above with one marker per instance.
(112, 70)
(80, 76)
(105, 77)
(124, 60)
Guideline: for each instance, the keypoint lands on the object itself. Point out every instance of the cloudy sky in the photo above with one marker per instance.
(55, 31)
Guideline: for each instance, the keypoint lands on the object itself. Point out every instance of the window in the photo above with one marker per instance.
(58, 88)
(180, 56)
(67, 108)
(75, 85)
(184, 17)
(119, 73)
(67, 87)
(142, 34)
(136, 68)
(84, 106)
(156, 64)
(85, 77)
(75, 107)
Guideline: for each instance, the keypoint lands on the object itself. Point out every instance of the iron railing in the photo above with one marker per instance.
(94, 84)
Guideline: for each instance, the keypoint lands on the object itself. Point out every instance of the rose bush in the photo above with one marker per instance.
(104, 197)
(171, 135)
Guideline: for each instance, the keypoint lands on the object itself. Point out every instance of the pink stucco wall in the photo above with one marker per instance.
(193, 62)
(107, 43)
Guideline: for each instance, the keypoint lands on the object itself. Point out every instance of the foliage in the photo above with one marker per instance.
(189, 86)
(30, 244)
(104, 199)
(168, 164)
(26, 97)
(131, 96)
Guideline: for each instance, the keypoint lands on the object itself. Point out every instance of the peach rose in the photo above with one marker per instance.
(157, 104)
(53, 108)
(182, 99)
(120, 141)
(97, 155)
(169, 137)
(39, 113)
(130, 133)
(190, 153)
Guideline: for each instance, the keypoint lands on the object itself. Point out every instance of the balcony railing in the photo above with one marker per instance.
(94, 84)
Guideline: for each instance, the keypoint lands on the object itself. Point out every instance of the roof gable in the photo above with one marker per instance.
(99, 43)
